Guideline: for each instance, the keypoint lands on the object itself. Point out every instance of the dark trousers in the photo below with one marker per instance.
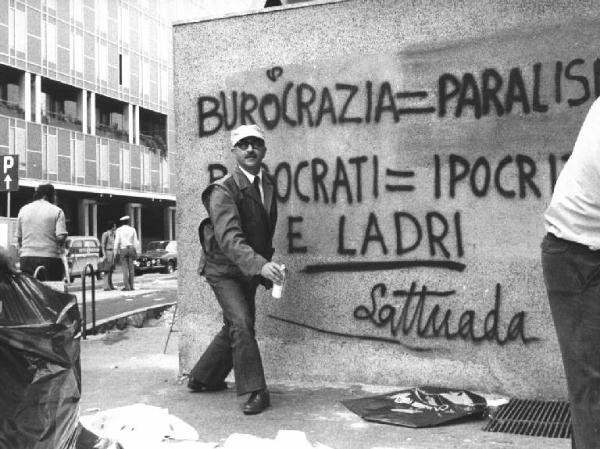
(572, 277)
(53, 267)
(235, 345)
(128, 255)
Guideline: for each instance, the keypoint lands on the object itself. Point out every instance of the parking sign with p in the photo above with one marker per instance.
(9, 179)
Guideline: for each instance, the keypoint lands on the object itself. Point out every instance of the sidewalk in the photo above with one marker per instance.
(128, 367)
(102, 295)
(143, 285)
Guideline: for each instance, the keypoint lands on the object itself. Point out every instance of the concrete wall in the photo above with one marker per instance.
(415, 146)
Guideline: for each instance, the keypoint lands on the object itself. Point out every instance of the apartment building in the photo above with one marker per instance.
(86, 103)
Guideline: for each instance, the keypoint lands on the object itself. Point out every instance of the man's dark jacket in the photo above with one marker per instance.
(237, 240)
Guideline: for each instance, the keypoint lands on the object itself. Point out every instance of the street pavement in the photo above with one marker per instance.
(152, 291)
(126, 367)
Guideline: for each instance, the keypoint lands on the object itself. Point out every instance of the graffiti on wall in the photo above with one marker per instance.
(414, 318)
(423, 313)
(371, 240)
(513, 177)
(491, 92)
(346, 179)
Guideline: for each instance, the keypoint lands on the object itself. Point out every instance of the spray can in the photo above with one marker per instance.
(278, 288)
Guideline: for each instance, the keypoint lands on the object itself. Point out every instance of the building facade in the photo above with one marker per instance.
(86, 104)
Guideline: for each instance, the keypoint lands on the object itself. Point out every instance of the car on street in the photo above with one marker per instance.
(160, 255)
(82, 250)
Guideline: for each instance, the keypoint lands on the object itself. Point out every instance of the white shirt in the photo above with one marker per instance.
(251, 177)
(125, 236)
(574, 211)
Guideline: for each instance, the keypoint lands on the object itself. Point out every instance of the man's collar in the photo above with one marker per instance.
(250, 176)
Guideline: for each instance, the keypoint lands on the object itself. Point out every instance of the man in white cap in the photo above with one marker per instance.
(126, 242)
(237, 250)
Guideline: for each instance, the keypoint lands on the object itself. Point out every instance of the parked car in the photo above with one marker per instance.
(160, 255)
(81, 251)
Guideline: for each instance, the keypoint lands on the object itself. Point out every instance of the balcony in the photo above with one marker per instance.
(61, 120)
(112, 118)
(61, 105)
(11, 109)
(155, 143)
(153, 131)
(11, 82)
(112, 132)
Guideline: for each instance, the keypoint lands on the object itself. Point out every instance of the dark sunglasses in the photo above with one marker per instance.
(244, 144)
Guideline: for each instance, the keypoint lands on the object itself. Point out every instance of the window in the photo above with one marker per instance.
(77, 53)
(124, 72)
(21, 148)
(125, 163)
(77, 244)
(164, 85)
(102, 62)
(69, 108)
(77, 10)
(145, 32)
(79, 158)
(146, 168)
(17, 23)
(51, 154)
(124, 28)
(104, 167)
(11, 26)
(164, 165)
(102, 15)
(90, 243)
(50, 47)
(145, 78)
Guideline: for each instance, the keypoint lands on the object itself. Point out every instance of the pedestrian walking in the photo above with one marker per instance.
(40, 234)
(126, 243)
(108, 251)
(237, 239)
(571, 265)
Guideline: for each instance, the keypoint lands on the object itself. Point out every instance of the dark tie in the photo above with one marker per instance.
(256, 184)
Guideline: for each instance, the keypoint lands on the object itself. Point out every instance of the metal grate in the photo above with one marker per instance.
(534, 418)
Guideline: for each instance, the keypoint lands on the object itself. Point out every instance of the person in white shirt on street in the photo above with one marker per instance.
(126, 242)
(571, 266)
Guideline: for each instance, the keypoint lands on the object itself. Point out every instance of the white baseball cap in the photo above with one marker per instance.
(243, 131)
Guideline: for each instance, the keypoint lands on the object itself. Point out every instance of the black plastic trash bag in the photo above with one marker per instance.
(419, 406)
(40, 373)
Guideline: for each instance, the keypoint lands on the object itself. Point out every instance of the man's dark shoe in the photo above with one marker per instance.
(257, 402)
(199, 387)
